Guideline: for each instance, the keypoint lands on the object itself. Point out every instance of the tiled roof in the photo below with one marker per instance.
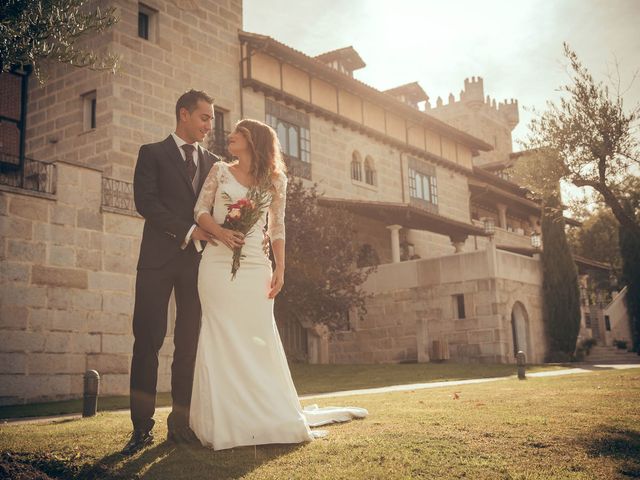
(320, 69)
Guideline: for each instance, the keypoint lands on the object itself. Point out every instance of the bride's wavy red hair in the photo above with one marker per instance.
(265, 150)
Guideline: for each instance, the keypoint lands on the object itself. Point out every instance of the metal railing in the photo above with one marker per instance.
(118, 194)
(297, 167)
(32, 175)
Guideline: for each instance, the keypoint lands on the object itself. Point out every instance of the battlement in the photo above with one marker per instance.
(472, 97)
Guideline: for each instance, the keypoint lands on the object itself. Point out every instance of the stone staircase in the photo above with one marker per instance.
(600, 354)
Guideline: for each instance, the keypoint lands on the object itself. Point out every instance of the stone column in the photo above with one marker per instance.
(395, 242)
(533, 221)
(502, 215)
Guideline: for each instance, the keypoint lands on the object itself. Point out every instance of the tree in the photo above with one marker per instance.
(630, 251)
(591, 138)
(597, 239)
(322, 282)
(34, 30)
(561, 297)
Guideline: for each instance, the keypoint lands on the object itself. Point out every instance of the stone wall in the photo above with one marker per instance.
(67, 280)
(195, 46)
(413, 306)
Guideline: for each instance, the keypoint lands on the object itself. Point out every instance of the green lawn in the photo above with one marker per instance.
(310, 379)
(581, 426)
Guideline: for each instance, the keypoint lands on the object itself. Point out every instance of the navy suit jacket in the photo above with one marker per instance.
(165, 198)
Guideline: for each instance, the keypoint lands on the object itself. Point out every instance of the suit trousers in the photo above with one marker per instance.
(153, 291)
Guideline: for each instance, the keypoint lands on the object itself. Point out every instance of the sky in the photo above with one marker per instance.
(515, 46)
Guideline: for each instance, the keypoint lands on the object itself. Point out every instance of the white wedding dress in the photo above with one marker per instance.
(243, 393)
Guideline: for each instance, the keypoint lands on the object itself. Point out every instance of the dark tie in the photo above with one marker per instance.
(191, 165)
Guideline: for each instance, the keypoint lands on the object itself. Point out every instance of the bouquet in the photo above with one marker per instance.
(242, 217)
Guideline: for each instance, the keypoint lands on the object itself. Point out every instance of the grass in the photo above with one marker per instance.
(309, 379)
(581, 426)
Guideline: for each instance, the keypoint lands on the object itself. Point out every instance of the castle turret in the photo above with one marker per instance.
(473, 93)
(482, 117)
(509, 110)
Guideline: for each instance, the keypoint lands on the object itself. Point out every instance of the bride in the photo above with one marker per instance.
(243, 393)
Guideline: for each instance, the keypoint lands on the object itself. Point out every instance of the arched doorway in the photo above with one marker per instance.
(520, 329)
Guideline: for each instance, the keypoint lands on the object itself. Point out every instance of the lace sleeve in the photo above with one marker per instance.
(275, 228)
(208, 193)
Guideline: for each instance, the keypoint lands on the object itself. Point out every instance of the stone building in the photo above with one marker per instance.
(458, 278)
(69, 232)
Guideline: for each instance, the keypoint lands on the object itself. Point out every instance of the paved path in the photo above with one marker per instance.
(584, 368)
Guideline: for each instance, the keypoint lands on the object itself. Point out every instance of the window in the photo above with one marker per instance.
(89, 105)
(294, 140)
(587, 320)
(147, 22)
(369, 172)
(143, 25)
(292, 128)
(458, 306)
(356, 167)
(423, 187)
(607, 323)
(219, 140)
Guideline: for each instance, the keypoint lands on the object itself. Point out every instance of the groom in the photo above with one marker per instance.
(168, 178)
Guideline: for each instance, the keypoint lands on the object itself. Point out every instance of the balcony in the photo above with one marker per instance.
(297, 167)
(117, 196)
(32, 176)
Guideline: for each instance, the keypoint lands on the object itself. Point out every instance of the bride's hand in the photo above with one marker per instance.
(277, 282)
(230, 238)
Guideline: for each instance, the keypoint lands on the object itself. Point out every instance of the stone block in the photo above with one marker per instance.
(117, 303)
(13, 363)
(56, 363)
(117, 384)
(59, 277)
(89, 219)
(63, 214)
(457, 338)
(55, 234)
(123, 225)
(19, 295)
(4, 203)
(14, 272)
(62, 256)
(465, 324)
(89, 259)
(88, 239)
(104, 322)
(118, 244)
(481, 336)
(69, 321)
(25, 251)
(119, 264)
(41, 319)
(14, 317)
(111, 281)
(468, 351)
(86, 300)
(109, 364)
(12, 227)
(21, 341)
(36, 387)
(117, 344)
(30, 208)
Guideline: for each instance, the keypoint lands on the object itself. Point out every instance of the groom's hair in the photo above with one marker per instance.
(189, 100)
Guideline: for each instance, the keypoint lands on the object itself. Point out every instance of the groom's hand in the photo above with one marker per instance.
(200, 234)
